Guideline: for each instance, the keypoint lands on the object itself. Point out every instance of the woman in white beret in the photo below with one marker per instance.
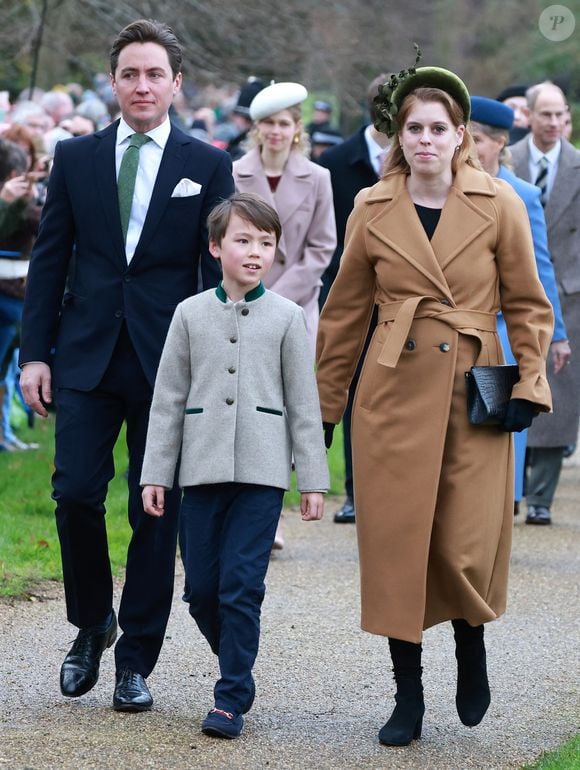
(277, 168)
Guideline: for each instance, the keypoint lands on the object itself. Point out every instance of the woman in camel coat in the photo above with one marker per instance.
(440, 247)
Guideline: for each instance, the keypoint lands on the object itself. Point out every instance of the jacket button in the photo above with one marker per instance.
(232, 369)
(233, 339)
(445, 347)
(410, 344)
(127, 279)
(444, 302)
(282, 261)
(229, 401)
(118, 314)
(245, 311)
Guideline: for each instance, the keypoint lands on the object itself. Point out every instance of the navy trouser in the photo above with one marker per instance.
(226, 534)
(87, 427)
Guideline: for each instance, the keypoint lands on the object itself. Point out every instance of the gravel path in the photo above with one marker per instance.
(324, 687)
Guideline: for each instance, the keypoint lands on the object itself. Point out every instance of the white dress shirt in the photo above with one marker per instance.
(553, 156)
(149, 161)
(377, 154)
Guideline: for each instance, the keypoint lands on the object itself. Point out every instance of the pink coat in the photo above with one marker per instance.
(304, 203)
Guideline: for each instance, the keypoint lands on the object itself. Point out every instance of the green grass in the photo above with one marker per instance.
(29, 548)
(566, 757)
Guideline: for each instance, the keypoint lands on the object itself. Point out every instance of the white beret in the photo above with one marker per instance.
(278, 96)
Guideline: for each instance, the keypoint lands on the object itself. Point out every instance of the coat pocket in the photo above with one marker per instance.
(266, 410)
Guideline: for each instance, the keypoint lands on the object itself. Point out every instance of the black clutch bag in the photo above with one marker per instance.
(489, 388)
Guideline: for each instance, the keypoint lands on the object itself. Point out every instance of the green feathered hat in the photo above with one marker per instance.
(392, 93)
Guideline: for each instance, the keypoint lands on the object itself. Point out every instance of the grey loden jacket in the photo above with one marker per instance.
(236, 394)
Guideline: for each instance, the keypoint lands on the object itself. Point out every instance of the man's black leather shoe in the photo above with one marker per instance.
(345, 515)
(131, 692)
(80, 669)
(538, 514)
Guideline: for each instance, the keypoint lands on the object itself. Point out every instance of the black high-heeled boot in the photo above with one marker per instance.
(406, 721)
(473, 696)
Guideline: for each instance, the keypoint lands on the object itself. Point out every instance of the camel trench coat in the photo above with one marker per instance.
(434, 494)
(303, 200)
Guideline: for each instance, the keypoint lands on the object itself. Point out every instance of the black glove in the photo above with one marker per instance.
(519, 415)
(328, 431)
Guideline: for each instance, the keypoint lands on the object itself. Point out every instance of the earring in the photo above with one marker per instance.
(296, 139)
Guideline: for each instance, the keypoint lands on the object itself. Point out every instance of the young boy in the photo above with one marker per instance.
(236, 395)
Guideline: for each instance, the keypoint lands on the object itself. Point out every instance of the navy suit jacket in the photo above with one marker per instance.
(80, 288)
(350, 171)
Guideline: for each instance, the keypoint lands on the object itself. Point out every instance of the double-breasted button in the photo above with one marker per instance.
(445, 347)
(282, 261)
(410, 344)
(232, 369)
(229, 401)
(444, 302)
(118, 313)
(233, 339)
(245, 311)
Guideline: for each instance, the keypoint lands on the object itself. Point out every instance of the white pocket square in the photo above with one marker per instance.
(185, 188)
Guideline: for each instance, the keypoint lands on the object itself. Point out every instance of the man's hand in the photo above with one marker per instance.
(36, 386)
(153, 500)
(560, 352)
(17, 187)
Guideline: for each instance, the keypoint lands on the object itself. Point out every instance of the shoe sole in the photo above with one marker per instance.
(131, 708)
(214, 732)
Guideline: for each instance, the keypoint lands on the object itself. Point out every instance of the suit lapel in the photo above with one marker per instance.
(566, 182)
(105, 176)
(169, 174)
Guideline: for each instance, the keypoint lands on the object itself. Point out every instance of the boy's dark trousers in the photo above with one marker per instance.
(226, 535)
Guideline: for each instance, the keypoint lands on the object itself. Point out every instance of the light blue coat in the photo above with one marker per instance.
(530, 194)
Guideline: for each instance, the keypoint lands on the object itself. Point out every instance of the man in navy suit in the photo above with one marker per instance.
(353, 165)
(97, 309)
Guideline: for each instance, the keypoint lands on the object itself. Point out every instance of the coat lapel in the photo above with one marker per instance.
(397, 223)
(462, 220)
(105, 176)
(250, 172)
(294, 185)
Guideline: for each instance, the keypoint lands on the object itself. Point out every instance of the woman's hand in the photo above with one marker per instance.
(519, 416)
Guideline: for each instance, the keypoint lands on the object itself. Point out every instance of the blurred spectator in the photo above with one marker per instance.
(58, 105)
(515, 97)
(19, 217)
(240, 117)
(322, 140)
(567, 128)
(321, 117)
(94, 109)
(34, 117)
(77, 125)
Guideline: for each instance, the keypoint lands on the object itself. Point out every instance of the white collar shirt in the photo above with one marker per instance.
(553, 157)
(150, 156)
(376, 153)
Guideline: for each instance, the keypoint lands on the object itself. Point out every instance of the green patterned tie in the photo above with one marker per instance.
(127, 176)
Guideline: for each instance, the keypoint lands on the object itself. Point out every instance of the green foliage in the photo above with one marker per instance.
(567, 757)
(335, 457)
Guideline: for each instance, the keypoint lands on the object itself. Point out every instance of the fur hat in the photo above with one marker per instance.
(276, 97)
(490, 112)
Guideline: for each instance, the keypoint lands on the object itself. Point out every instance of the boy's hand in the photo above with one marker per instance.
(311, 505)
(153, 500)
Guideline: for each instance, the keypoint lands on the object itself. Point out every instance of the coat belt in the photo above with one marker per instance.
(403, 313)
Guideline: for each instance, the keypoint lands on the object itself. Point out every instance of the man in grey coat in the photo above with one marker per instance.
(549, 161)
